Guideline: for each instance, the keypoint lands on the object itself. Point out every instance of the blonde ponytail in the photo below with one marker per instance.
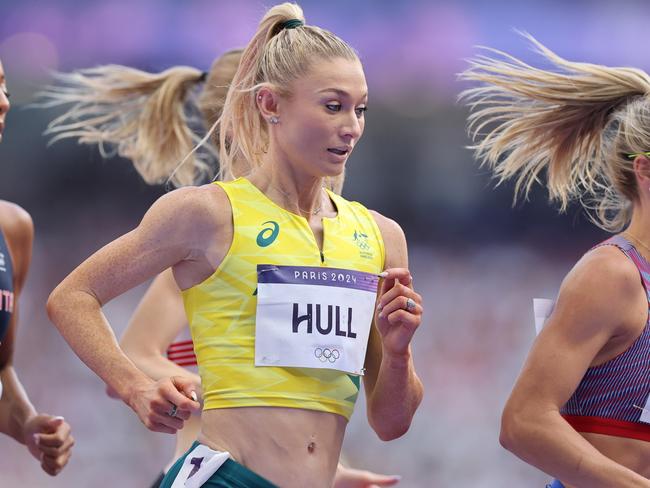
(578, 124)
(141, 116)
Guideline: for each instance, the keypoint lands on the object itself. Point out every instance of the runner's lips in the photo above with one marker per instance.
(340, 151)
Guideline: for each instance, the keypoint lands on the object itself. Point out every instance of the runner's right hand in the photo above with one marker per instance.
(153, 401)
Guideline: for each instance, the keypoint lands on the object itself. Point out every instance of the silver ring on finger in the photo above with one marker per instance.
(172, 411)
(410, 305)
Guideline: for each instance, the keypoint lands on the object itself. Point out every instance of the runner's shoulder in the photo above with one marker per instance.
(604, 286)
(394, 241)
(194, 205)
(390, 229)
(16, 224)
(605, 269)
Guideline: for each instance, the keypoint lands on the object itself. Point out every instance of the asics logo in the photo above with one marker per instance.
(268, 234)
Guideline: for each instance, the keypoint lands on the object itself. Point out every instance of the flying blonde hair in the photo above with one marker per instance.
(577, 123)
(140, 116)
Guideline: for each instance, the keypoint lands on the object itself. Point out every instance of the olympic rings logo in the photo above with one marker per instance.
(326, 354)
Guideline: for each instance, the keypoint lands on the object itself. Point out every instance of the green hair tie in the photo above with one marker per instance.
(634, 155)
(291, 24)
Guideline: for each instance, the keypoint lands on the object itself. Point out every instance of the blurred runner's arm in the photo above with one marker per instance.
(47, 437)
(15, 407)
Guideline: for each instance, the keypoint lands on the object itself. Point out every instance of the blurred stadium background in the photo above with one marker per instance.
(477, 261)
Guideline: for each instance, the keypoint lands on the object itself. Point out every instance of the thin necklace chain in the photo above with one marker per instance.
(637, 240)
(316, 211)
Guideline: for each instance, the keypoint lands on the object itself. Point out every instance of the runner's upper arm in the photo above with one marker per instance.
(18, 229)
(394, 241)
(175, 229)
(601, 298)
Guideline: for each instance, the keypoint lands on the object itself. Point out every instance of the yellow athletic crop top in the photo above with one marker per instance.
(221, 310)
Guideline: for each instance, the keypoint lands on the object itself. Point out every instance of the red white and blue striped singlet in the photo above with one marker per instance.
(613, 398)
(181, 351)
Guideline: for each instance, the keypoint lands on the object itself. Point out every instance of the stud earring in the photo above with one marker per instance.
(273, 119)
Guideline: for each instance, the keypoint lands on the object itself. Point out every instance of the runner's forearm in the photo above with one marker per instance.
(15, 407)
(548, 442)
(79, 318)
(395, 397)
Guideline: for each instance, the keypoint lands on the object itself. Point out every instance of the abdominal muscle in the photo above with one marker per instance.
(186, 436)
(631, 453)
(287, 446)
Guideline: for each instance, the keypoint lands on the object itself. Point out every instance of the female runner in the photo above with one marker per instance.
(293, 115)
(580, 408)
(47, 437)
(159, 324)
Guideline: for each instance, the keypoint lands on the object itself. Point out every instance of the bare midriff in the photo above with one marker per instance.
(187, 435)
(290, 447)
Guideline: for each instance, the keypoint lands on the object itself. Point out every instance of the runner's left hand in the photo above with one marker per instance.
(49, 440)
(356, 478)
(396, 324)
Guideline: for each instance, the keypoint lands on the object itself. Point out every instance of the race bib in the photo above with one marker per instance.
(645, 413)
(542, 308)
(199, 465)
(310, 317)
